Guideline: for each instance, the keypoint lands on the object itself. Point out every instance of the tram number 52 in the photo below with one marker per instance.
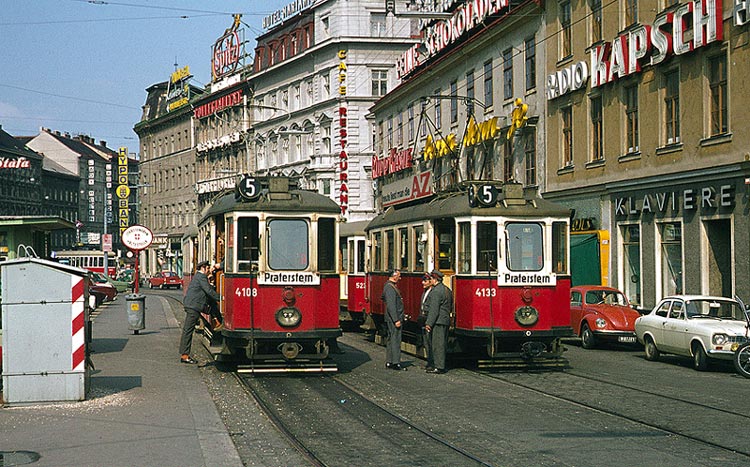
(246, 292)
(485, 292)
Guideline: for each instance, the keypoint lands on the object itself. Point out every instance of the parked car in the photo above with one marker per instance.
(701, 327)
(164, 280)
(104, 292)
(119, 285)
(601, 314)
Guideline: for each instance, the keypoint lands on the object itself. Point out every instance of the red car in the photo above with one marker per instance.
(601, 314)
(165, 280)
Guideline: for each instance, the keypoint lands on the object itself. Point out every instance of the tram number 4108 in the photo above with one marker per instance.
(246, 292)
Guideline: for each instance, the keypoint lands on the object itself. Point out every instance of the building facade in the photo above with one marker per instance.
(645, 108)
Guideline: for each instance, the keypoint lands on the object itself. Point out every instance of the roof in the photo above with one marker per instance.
(76, 145)
(300, 201)
(348, 229)
(37, 222)
(15, 146)
(456, 204)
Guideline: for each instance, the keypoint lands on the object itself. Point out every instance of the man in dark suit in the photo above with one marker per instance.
(196, 298)
(394, 319)
(438, 321)
(424, 309)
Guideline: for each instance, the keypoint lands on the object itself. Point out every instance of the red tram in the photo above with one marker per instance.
(504, 253)
(280, 283)
(352, 251)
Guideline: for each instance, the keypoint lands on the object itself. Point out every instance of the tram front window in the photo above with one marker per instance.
(524, 245)
(287, 244)
(248, 241)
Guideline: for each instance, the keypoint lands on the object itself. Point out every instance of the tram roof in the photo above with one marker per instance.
(457, 205)
(299, 201)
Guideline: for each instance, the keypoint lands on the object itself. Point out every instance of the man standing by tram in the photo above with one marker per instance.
(424, 309)
(438, 321)
(394, 318)
(196, 298)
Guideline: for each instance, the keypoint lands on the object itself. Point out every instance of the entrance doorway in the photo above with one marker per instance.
(717, 258)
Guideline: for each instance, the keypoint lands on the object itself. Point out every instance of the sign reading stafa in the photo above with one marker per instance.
(288, 278)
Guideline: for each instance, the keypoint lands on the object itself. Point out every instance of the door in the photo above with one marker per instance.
(717, 257)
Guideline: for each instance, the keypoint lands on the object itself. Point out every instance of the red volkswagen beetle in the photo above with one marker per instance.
(601, 314)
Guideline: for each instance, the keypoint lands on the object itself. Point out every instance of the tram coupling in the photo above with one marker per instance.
(321, 366)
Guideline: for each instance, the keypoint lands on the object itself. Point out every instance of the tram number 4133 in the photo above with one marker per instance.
(246, 292)
(485, 292)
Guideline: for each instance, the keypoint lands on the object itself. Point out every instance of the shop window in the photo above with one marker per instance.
(631, 262)
(486, 247)
(464, 247)
(671, 258)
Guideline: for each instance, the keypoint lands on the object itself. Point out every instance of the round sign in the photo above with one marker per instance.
(123, 191)
(249, 188)
(137, 237)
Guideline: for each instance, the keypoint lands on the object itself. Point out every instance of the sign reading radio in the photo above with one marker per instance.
(678, 31)
(209, 108)
(227, 51)
(123, 190)
(343, 136)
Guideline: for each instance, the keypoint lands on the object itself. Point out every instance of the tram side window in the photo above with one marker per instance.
(464, 247)
(560, 247)
(524, 244)
(248, 240)
(403, 250)
(445, 238)
(360, 256)
(377, 254)
(326, 244)
(390, 251)
(420, 246)
(486, 246)
(287, 244)
(346, 257)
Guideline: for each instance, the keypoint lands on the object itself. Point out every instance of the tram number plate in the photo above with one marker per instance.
(626, 339)
(246, 292)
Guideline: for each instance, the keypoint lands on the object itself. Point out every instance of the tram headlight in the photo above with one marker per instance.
(527, 316)
(288, 317)
(720, 339)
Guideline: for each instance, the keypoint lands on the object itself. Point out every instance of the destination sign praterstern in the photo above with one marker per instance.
(288, 278)
(526, 278)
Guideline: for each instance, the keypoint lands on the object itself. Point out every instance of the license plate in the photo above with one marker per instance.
(627, 339)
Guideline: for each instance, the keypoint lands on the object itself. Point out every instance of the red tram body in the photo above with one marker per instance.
(280, 283)
(352, 251)
(506, 261)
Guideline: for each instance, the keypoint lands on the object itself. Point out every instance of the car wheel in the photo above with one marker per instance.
(588, 340)
(150, 285)
(161, 287)
(742, 360)
(652, 353)
(700, 360)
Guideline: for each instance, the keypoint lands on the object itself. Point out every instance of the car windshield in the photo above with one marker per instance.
(723, 309)
(169, 274)
(606, 297)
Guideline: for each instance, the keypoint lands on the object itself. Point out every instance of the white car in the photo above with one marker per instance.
(695, 326)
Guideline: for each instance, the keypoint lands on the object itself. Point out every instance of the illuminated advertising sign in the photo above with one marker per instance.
(209, 108)
(286, 12)
(407, 189)
(123, 190)
(343, 155)
(395, 161)
(20, 163)
(227, 51)
(178, 93)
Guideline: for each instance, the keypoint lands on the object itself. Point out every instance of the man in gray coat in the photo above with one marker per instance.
(394, 319)
(196, 299)
(438, 321)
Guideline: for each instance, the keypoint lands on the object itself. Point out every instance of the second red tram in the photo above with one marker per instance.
(280, 281)
(504, 254)
(352, 252)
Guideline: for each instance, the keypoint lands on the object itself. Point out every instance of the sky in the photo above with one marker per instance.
(83, 66)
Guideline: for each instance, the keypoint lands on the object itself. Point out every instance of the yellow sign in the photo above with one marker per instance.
(440, 147)
(518, 117)
(485, 131)
(180, 74)
(123, 191)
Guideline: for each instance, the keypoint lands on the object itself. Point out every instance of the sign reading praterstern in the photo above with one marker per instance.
(288, 278)
(526, 278)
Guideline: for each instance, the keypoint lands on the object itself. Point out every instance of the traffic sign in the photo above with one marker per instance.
(137, 237)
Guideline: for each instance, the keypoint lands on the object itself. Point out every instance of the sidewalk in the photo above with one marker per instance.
(144, 407)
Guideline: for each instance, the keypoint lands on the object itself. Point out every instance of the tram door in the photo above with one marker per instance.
(445, 237)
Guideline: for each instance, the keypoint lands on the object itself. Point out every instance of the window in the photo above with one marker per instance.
(631, 262)
(326, 186)
(597, 144)
(445, 230)
(530, 61)
(325, 83)
(524, 247)
(454, 101)
(420, 245)
(671, 258)
(508, 74)
(248, 241)
(377, 254)
(377, 25)
(486, 247)
(404, 249)
(530, 155)
(596, 20)
(400, 129)
(288, 244)
(631, 118)
(390, 250)
(470, 92)
(379, 82)
(717, 82)
(672, 106)
(326, 244)
(663, 309)
(631, 12)
(565, 49)
(575, 298)
(389, 134)
(508, 160)
(567, 136)
(560, 247)
(438, 111)
(410, 125)
(464, 247)
(488, 83)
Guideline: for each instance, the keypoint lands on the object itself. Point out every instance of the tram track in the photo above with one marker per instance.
(707, 434)
(332, 423)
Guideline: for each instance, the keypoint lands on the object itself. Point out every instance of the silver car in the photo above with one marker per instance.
(696, 326)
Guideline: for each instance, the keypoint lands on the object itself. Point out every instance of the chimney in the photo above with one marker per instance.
(102, 143)
(57, 133)
(67, 135)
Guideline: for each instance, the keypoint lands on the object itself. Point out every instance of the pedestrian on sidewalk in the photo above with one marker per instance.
(438, 321)
(196, 298)
(394, 318)
(424, 308)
